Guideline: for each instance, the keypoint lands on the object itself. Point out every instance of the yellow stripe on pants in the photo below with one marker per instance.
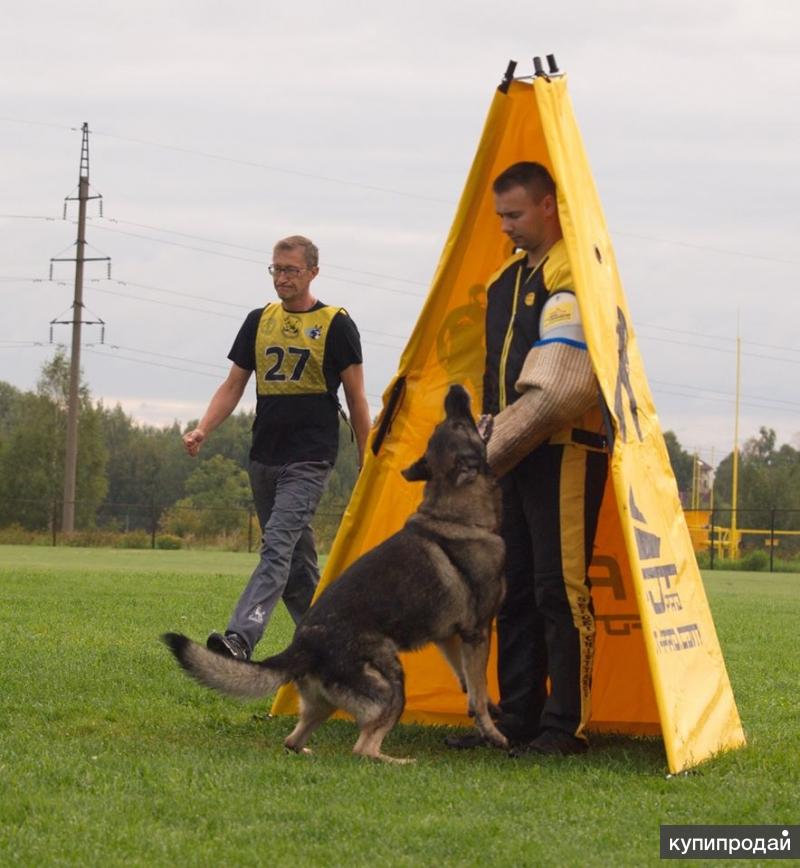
(572, 505)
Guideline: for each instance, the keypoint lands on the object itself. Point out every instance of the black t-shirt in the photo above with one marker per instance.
(302, 427)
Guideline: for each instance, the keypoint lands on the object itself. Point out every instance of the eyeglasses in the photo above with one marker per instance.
(288, 270)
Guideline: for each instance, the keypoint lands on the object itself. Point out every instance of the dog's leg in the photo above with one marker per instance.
(475, 654)
(375, 724)
(376, 701)
(314, 711)
(451, 651)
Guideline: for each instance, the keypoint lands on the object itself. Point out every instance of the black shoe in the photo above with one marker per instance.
(229, 645)
(553, 742)
(467, 741)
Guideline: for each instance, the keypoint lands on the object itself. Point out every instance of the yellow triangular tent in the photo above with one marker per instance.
(658, 665)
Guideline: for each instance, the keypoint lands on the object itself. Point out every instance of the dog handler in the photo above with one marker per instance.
(301, 350)
(547, 445)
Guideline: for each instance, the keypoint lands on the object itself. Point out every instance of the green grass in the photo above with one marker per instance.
(110, 756)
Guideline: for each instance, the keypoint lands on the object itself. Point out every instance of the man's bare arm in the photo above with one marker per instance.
(353, 382)
(222, 404)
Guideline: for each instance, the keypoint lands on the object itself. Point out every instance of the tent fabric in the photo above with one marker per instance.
(658, 666)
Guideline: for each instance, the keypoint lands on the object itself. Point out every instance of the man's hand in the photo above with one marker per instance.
(485, 424)
(193, 440)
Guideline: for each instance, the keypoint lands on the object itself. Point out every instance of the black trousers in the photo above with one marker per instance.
(551, 503)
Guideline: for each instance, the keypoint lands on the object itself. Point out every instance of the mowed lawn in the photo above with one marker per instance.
(110, 756)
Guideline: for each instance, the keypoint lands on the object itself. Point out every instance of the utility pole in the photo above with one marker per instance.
(71, 450)
(734, 547)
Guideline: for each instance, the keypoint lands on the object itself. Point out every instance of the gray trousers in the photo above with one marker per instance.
(286, 498)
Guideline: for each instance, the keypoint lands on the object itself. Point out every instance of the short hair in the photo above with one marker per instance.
(534, 177)
(293, 242)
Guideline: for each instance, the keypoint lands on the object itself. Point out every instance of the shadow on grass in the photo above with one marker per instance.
(335, 739)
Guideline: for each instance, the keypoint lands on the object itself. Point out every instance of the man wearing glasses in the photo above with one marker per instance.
(302, 350)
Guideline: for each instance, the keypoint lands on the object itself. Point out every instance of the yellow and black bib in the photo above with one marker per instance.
(290, 350)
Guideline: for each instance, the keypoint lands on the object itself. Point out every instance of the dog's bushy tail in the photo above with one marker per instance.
(239, 678)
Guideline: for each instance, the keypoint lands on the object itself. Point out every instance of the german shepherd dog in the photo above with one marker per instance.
(438, 579)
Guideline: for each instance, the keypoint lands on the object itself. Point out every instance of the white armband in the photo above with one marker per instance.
(560, 321)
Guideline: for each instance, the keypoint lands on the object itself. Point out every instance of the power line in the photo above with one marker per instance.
(727, 395)
(218, 313)
(260, 262)
(774, 409)
(214, 301)
(720, 350)
(718, 337)
(153, 364)
(374, 188)
(270, 168)
(720, 250)
(265, 251)
(194, 296)
(115, 355)
(166, 356)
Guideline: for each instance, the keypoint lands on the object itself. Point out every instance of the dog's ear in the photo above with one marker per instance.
(419, 471)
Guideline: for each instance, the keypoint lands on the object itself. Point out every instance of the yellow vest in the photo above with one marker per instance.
(290, 350)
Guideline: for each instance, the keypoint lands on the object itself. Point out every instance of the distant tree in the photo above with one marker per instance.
(217, 493)
(231, 440)
(769, 479)
(8, 398)
(340, 487)
(682, 462)
(147, 470)
(32, 452)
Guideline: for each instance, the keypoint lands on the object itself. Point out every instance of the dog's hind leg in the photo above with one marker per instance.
(376, 700)
(475, 654)
(314, 711)
(451, 651)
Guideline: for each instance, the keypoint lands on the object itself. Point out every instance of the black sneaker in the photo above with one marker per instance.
(553, 742)
(229, 645)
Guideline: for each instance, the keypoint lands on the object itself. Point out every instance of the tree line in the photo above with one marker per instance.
(769, 479)
(132, 476)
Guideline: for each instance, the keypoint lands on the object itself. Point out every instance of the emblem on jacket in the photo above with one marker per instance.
(291, 327)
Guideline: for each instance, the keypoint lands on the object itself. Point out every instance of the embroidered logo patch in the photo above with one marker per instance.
(291, 327)
(315, 332)
(558, 314)
(256, 615)
(529, 299)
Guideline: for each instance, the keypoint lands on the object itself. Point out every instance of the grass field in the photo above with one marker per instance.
(110, 756)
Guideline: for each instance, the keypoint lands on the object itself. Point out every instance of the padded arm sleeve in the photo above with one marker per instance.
(558, 385)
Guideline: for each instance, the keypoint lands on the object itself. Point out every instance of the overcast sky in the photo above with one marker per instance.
(218, 128)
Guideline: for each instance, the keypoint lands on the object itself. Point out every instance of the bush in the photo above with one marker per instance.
(756, 561)
(16, 535)
(135, 539)
(93, 538)
(169, 542)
